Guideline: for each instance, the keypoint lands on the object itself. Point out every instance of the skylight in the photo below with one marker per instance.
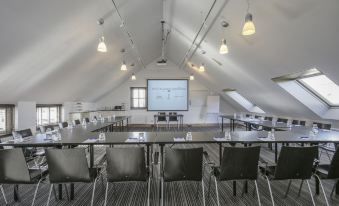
(322, 87)
(243, 101)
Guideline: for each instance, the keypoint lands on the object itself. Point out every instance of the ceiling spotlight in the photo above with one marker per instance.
(133, 77)
(123, 66)
(223, 48)
(102, 46)
(191, 77)
(202, 68)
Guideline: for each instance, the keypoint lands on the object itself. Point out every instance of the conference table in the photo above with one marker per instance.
(249, 122)
(89, 136)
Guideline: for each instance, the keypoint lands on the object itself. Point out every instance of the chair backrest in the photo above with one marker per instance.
(67, 165)
(248, 115)
(282, 120)
(295, 122)
(63, 124)
(44, 128)
(76, 122)
(24, 133)
(162, 117)
(302, 122)
(295, 163)
(327, 126)
(13, 167)
(319, 125)
(269, 118)
(239, 163)
(183, 164)
(87, 120)
(333, 173)
(257, 117)
(173, 116)
(126, 164)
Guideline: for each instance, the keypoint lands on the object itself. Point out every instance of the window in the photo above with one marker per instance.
(6, 119)
(323, 88)
(138, 98)
(48, 114)
(241, 100)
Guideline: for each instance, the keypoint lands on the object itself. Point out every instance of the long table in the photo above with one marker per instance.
(84, 136)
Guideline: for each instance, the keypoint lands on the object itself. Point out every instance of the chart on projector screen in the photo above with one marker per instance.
(167, 95)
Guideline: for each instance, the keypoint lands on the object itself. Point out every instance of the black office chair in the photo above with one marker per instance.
(63, 125)
(238, 163)
(295, 122)
(46, 128)
(257, 117)
(173, 117)
(125, 165)
(77, 122)
(293, 163)
(302, 123)
(23, 133)
(268, 119)
(29, 152)
(329, 171)
(319, 125)
(326, 126)
(161, 118)
(87, 120)
(14, 170)
(182, 165)
(282, 120)
(70, 166)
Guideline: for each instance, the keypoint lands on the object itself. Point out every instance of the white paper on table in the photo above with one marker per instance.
(132, 140)
(220, 139)
(90, 140)
(179, 139)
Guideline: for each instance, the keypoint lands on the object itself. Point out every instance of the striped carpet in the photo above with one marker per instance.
(181, 194)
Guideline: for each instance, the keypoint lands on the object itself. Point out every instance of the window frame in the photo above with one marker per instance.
(315, 93)
(132, 98)
(49, 106)
(8, 128)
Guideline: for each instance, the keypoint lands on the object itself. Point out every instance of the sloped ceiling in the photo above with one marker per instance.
(48, 48)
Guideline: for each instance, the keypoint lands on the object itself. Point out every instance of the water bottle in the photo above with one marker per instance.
(272, 134)
(102, 136)
(315, 129)
(228, 135)
(189, 136)
(141, 136)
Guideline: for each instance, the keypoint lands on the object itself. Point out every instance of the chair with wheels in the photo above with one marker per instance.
(63, 125)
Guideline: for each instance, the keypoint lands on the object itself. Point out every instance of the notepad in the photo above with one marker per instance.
(220, 139)
(179, 139)
(90, 141)
(133, 140)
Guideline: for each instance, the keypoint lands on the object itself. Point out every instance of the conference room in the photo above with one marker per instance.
(168, 102)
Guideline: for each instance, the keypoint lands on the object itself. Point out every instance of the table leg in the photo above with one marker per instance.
(222, 124)
(127, 124)
(91, 155)
(60, 191)
(16, 193)
(317, 191)
(234, 188)
(337, 188)
(161, 170)
(276, 152)
(72, 191)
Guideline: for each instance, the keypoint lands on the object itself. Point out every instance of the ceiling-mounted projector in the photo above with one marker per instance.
(162, 62)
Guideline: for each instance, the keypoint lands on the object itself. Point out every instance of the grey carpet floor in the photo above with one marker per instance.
(179, 193)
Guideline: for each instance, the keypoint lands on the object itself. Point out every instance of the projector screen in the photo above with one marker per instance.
(167, 94)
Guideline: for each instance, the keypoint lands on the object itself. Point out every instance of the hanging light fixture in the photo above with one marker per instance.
(191, 77)
(249, 27)
(123, 66)
(202, 68)
(102, 46)
(223, 47)
(133, 77)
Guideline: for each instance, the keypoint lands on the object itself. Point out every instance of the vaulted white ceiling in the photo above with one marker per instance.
(48, 48)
